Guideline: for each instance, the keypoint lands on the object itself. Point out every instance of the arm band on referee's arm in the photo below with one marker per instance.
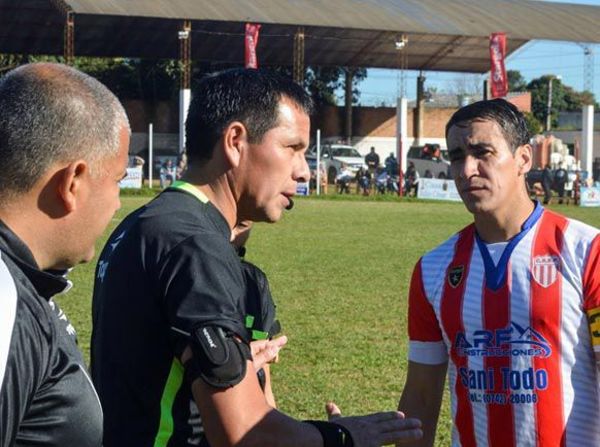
(334, 435)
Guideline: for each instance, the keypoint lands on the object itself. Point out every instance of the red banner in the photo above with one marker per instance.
(251, 41)
(498, 79)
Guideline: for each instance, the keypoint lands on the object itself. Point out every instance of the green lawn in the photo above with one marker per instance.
(339, 271)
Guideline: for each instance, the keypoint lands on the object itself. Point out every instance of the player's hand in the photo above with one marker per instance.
(266, 351)
(377, 429)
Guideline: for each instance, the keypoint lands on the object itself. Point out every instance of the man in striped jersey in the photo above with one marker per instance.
(510, 305)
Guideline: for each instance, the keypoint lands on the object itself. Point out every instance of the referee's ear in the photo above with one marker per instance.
(235, 138)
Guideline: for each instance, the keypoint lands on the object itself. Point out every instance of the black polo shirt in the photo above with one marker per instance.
(167, 267)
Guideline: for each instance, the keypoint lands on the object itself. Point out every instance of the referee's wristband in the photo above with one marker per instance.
(334, 435)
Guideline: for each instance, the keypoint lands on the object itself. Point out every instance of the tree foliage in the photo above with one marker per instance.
(564, 98)
(516, 81)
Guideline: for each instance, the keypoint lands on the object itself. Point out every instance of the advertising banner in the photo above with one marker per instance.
(251, 41)
(134, 178)
(302, 189)
(437, 189)
(589, 197)
(498, 79)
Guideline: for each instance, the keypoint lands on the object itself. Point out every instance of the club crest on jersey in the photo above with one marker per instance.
(544, 269)
(455, 275)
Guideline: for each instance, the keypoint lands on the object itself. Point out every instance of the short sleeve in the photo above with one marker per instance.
(591, 291)
(426, 343)
(202, 283)
(259, 303)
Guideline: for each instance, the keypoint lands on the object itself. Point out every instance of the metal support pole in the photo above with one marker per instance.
(185, 57)
(419, 114)
(150, 154)
(299, 56)
(318, 161)
(69, 38)
(549, 106)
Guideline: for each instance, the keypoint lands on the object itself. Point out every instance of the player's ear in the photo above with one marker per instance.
(524, 157)
(235, 139)
(71, 182)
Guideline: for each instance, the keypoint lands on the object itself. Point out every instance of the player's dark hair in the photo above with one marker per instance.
(506, 115)
(249, 96)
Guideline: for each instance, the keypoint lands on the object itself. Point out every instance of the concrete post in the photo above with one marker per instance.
(587, 139)
(401, 139)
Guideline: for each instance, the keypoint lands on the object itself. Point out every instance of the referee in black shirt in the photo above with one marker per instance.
(171, 352)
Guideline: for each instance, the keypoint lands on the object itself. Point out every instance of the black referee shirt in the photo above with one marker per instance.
(167, 267)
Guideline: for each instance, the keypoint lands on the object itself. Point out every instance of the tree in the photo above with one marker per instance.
(564, 98)
(516, 81)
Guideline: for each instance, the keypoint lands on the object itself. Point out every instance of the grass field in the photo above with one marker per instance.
(339, 271)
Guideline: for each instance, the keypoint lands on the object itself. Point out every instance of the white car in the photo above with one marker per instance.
(333, 155)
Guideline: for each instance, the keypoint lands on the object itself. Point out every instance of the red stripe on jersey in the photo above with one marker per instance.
(591, 277)
(451, 310)
(546, 315)
(496, 315)
(422, 322)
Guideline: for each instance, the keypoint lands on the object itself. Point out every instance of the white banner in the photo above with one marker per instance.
(437, 189)
(302, 189)
(133, 179)
(589, 197)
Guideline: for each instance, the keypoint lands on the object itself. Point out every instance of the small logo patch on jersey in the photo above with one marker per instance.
(455, 275)
(544, 269)
(594, 322)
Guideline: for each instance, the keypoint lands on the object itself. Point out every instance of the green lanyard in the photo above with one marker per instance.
(190, 189)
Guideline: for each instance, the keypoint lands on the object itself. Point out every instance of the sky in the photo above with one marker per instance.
(533, 60)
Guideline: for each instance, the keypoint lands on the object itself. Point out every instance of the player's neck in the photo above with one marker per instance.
(503, 225)
(217, 190)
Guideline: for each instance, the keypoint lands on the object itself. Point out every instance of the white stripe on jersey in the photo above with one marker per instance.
(472, 317)
(8, 311)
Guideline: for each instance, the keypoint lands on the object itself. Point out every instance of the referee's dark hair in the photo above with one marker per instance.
(506, 115)
(246, 95)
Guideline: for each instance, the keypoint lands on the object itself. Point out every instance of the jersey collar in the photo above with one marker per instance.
(46, 283)
(495, 275)
(190, 189)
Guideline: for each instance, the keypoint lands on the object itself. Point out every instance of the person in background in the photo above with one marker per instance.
(64, 142)
(372, 161)
(547, 184)
(509, 306)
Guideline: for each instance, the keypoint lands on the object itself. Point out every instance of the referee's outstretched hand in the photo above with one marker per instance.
(266, 351)
(377, 429)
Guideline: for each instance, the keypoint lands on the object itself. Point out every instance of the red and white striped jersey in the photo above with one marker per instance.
(519, 335)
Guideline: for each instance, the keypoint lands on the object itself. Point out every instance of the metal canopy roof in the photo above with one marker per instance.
(442, 35)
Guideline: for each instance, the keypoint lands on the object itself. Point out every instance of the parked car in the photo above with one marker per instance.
(333, 155)
(435, 161)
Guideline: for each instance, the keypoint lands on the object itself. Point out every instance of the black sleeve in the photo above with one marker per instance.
(259, 301)
(25, 364)
(202, 283)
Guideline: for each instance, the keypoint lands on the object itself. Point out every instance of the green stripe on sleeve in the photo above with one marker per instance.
(174, 381)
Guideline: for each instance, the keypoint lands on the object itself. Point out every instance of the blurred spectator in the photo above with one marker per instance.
(343, 179)
(372, 160)
(547, 184)
(181, 165)
(391, 164)
(411, 179)
(168, 174)
(428, 174)
(560, 179)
